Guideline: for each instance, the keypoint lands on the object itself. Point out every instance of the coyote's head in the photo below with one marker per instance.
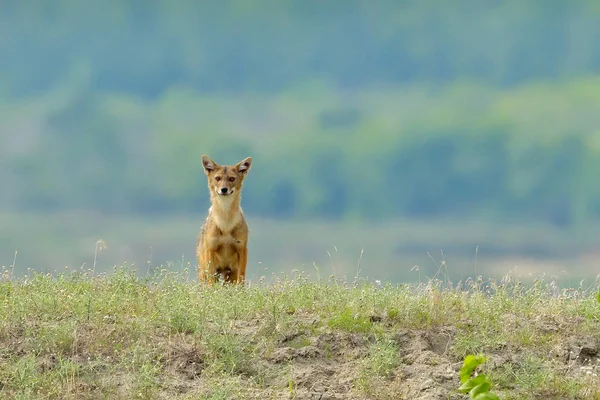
(225, 180)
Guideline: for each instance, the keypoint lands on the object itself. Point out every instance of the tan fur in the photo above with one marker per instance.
(222, 245)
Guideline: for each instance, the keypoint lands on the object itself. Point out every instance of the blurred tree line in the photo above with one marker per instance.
(350, 109)
(145, 47)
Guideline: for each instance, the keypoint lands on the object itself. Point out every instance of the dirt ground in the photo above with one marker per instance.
(328, 366)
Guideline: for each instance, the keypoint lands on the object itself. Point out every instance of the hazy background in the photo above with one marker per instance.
(410, 132)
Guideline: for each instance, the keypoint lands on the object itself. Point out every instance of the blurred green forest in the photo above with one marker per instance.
(352, 110)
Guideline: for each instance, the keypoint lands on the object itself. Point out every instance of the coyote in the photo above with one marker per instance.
(221, 246)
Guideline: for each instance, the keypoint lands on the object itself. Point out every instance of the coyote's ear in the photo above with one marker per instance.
(244, 165)
(208, 164)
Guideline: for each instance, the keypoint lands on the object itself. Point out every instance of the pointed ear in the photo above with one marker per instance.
(244, 165)
(208, 164)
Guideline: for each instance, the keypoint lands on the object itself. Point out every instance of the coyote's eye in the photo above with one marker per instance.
(217, 178)
(231, 179)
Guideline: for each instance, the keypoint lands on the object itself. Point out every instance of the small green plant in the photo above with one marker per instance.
(379, 366)
(348, 321)
(478, 386)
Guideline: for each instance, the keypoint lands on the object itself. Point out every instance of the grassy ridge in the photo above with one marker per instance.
(118, 336)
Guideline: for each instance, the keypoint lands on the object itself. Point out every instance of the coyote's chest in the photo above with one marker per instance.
(225, 223)
(225, 235)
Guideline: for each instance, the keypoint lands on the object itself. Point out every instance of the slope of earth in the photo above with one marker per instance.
(120, 337)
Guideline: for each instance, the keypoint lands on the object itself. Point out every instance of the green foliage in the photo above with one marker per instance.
(432, 160)
(337, 108)
(231, 46)
(478, 387)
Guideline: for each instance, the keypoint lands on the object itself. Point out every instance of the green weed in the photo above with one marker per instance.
(478, 386)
